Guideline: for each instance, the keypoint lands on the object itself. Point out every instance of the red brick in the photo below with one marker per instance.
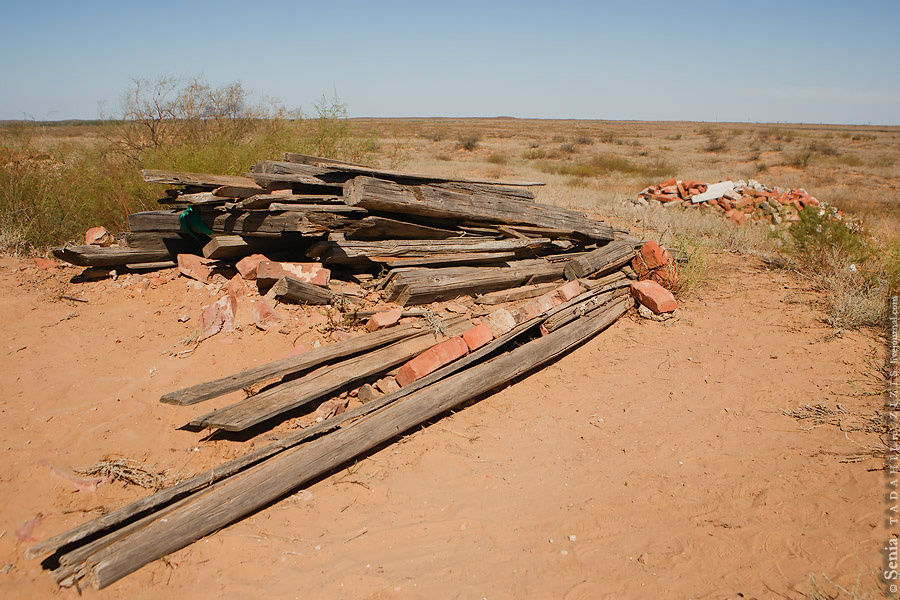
(654, 256)
(218, 316)
(668, 182)
(195, 267)
(313, 273)
(682, 191)
(653, 296)
(537, 306)
(247, 266)
(500, 321)
(569, 290)
(478, 336)
(383, 319)
(98, 236)
(44, 263)
(431, 360)
(264, 316)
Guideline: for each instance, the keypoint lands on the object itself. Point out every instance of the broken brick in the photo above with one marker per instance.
(98, 236)
(569, 290)
(313, 273)
(653, 296)
(383, 319)
(247, 266)
(432, 359)
(264, 316)
(499, 321)
(195, 267)
(478, 336)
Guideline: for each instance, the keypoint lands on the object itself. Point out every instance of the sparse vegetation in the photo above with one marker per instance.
(497, 159)
(603, 164)
(468, 142)
(53, 188)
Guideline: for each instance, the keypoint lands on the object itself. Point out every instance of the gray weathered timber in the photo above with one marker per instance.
(264, 200)
(233, 246)
(256, 223)
(429, 201)
(380, 228)
(353, 252)
(518, 293)
(96, 256)
(270, 480)
(198, 199)
(292, 290)
(292, 364)
(325, 380)
(421, 286)
(601, 261)
(203, 180)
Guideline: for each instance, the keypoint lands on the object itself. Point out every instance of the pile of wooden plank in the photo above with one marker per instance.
(543, 281)
(473, 236)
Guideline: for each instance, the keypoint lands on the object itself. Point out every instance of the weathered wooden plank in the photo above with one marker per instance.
(518, 293)
(601, 261)
(198, 199)
(342, 209)
(380, 228)
(421, 286)
(203, 180)
(337, 251)
(292, 364)
(232, 246)
(325, 380)
(267, 481)
(296, 182)
(293, 290)
(161, 240)
(251, 223)
(379, 195)
(96, 256)
(264, 200)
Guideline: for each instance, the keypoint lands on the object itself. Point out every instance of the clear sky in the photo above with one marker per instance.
(804, 60)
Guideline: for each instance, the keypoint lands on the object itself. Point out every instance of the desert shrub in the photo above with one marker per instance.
(824, 148)
(534, 154)
(584, 140)
(498, 159)
(607, 137)
(52, 191)
(799, 159)
(468, 142)
(558, 139)
(603, 164)
(856, 274)
(568, 148)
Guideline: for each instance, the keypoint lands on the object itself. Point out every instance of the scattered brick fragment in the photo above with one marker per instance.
(478, 336)
(247, 266)
(383, 319)
(98, 236)
(432, 359)
(653, 296)
(264, 316)
(195, 267)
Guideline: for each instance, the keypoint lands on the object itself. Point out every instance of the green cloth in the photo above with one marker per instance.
(192, 223)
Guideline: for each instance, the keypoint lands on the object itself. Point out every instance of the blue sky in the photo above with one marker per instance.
(802, 61)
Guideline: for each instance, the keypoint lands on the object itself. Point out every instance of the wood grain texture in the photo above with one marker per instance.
(429, 201)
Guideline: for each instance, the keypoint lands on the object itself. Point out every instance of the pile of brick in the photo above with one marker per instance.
(740, 201)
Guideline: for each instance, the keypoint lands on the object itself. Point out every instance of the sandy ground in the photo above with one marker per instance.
(654, 461)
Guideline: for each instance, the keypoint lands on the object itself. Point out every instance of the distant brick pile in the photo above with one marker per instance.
(740, 201)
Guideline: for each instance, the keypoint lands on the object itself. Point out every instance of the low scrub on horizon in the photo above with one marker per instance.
(53, 188)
